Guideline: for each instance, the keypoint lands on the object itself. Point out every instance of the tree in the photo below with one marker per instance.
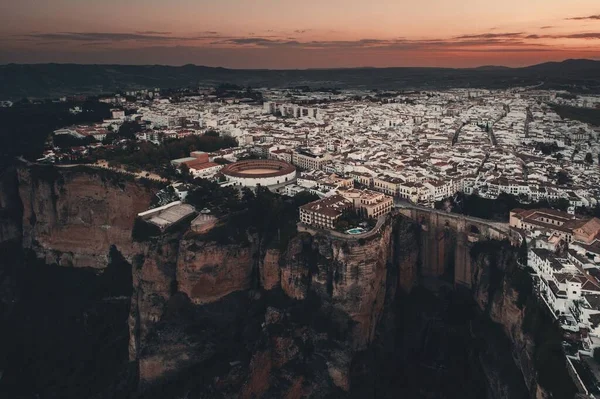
(221, 161)
(66, 141)
(588, 158)
(128, 130)
(562, 204)
(547, 148)
(303, 198)
(109, 139)
(523, 253)
(563, 178)
(247, 196)
(185, 172)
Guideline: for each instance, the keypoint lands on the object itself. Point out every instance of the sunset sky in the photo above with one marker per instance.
(300, 34)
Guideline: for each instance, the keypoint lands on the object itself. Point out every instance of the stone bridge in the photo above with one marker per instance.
(447, 238)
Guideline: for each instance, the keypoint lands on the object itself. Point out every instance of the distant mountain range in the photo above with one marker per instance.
(52, 80)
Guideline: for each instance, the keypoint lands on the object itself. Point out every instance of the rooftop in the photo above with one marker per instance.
(329, 206)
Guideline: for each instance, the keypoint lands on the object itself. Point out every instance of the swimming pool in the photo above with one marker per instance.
(355, 231)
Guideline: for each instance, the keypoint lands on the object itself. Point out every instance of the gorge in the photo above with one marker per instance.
(93, 311)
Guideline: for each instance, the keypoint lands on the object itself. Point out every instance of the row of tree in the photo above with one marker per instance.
(268, 216)
(26, 126)
(495, 209)
(149, 156)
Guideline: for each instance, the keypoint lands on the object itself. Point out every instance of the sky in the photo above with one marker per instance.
(290, 34)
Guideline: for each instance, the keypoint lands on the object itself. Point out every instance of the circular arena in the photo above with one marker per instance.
(264, 172)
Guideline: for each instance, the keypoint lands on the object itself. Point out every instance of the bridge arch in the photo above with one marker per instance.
(473, 229)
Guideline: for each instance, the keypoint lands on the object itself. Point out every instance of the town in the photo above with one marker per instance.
(421, 146)
(363, 153)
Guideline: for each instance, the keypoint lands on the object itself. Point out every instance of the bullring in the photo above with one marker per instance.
(264, 172)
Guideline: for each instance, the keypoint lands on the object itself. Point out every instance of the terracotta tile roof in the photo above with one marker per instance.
(329, 206)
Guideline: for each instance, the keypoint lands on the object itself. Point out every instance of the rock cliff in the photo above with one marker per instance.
(349, 274)
(313, 305)
(312, 317)
(517, 320)
(10, 206)
(72, 217)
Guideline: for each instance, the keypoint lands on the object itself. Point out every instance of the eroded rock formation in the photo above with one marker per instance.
(72, 218)
(241, 320)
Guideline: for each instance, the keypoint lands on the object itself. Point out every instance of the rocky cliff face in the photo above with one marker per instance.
(503, 294)
(496, 297)
(206, 272)
(71, 218)
(63, 315)
(180, 273)
(306, 319)
(348, 274)
(313, 306)
(10, 206)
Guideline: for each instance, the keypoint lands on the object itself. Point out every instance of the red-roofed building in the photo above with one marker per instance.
(203, 169)
(325, 212)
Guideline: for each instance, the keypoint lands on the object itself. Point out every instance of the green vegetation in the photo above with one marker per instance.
(352, 218)
(567, 96)
(495, 209)
(589, 158)
(209, 194)
(492, 250)
(26, 126)
(547, 148)
(563, 178)
(116, 178)
(586, 115)
(271, 217)
(227, 90)
(128, 130)
(46, 173)
(149, 156)
(593, 212)
(549, 358)
(521, 281)
(523, 253)
(65, 141)
(597, 354)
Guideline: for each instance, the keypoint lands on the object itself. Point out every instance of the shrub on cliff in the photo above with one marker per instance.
(489, 252)
(521, 281)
